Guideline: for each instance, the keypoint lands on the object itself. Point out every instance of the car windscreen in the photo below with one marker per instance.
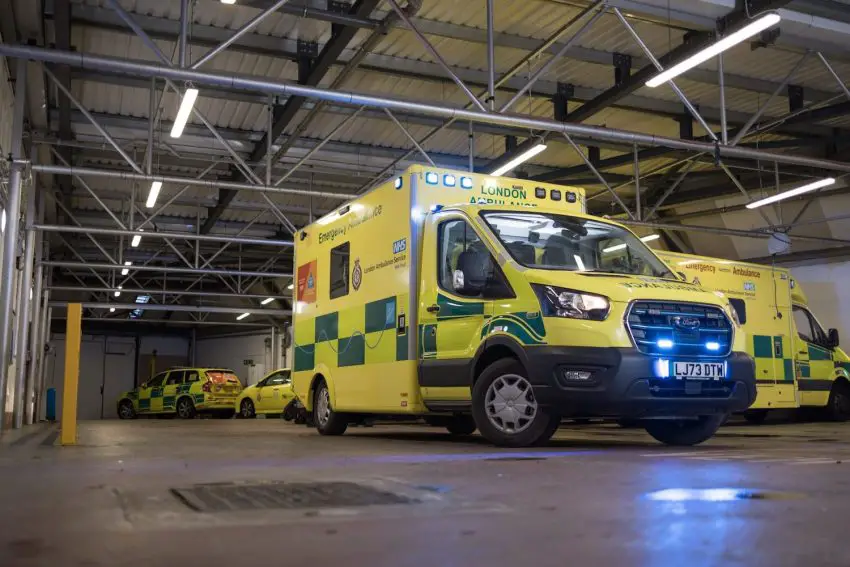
(561, 242)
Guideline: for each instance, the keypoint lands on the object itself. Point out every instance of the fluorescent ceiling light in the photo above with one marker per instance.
(112, 310)
(242, 316)
(136, 240)
(522, 158)
(184, 112)
(290, 286)
(117, 294)
(267, 300)
(792, 193)
(228, 1)
(125, 271)
(154, 193)
(755, 27)
(2, 220)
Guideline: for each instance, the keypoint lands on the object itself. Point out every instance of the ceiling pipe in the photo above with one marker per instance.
(253, 83)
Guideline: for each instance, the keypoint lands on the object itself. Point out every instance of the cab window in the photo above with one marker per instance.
(466, 268)
(340, 257)
(279, 379)
(156, 381)
(175, 377)
(807, 328)
(191, 376)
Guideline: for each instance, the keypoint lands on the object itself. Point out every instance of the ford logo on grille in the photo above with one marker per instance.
(686, 323)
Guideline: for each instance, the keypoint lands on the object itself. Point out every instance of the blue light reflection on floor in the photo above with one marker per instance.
(701, 494)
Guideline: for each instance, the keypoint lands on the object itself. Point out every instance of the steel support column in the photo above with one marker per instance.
(10, 243)
(23, 312)
(491, 55)
(35, 325)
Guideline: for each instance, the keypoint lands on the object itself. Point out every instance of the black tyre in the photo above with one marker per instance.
(684, 432)
(185, 408)
(838, 406)
(461, 425)
(505, 409)
(328, 422)
(755, 416)
(246, 409)
(126, 410)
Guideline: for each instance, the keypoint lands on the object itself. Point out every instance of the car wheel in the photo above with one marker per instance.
(838, 406)
(461, 425)
(755, 416)
(505, 409)
(685, 432)
(126, 410)
(185, 408)
(246, 409)
(328, 422)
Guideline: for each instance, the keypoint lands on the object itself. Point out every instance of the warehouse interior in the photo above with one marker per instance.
(180, 249)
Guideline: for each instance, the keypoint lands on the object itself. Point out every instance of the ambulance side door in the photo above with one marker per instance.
(815, 366)
(456, 269)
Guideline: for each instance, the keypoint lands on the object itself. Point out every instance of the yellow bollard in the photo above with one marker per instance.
(73, 332)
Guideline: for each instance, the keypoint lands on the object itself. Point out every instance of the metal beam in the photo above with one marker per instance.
(164, 269)
(261, 84)
(183, 308)
(163, 292)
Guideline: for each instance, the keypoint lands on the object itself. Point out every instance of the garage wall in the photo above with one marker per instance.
(826, 286)
(232, 352)
(107, 368)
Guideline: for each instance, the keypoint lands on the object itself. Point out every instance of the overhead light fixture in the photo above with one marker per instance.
(242, 316)
(117, 293)
(125, 271)
(2, 220)
(112, 310)
(136, 240)
(648, 238)
(228, 1)
(792, 193)
(153, 194)
(755, 27)
(183, 113)
(522, 158)
(290, 286)
(267, 300)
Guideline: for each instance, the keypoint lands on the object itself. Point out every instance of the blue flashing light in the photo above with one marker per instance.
(664, 343)
(712, 345)
(466, 182)
(449, 180)
(398, 182)
(431, 178)
(436, 208)
(662, 368)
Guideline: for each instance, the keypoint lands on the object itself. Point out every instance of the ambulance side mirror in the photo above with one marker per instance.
(832, 338)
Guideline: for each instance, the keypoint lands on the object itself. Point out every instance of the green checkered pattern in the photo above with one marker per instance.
(766, 349)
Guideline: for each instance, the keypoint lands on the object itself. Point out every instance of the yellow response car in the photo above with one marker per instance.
(268, 396)
(184, 391)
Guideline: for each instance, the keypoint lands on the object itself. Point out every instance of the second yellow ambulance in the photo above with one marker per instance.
(798, 363)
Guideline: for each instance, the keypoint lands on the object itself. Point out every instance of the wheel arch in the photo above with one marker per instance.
(493, 350)
(320, 373)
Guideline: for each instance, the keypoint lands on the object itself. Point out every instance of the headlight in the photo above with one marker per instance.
(560, 302)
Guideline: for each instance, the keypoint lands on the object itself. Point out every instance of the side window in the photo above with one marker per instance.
(275, 380)
(465, 266)
(191, 376)
(340, 258)
(157, 380)
(286, 377)
(175, 377)
(805, 328)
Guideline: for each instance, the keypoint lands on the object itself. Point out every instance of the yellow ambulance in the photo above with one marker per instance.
(798, 363)
(497, 304)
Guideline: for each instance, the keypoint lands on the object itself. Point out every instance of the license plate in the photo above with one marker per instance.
(699, 370)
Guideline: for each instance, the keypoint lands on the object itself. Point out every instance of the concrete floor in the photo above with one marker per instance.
(583, 500)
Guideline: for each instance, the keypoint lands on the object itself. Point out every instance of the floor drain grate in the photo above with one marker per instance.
(233, 497)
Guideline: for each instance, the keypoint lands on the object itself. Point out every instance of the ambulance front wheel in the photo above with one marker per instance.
(685, 432)
(328, 422)
(839, 401)
(505, 409)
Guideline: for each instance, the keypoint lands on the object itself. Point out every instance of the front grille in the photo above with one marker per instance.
(681, 329)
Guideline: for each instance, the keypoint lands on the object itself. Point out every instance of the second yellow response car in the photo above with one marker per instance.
(183, 391)
(268, 396)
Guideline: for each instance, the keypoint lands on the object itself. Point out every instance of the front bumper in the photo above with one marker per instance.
(624, 384)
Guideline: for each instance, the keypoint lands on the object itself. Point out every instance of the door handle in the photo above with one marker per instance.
(433, 309)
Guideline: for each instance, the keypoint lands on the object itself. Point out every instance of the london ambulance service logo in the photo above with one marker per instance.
(356, 275)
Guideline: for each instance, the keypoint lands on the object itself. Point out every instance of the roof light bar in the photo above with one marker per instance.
(183, 114)
(753, 28)
(522, 158)
(792, 193)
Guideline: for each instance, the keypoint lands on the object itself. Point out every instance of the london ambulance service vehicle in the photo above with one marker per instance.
(497, 304)
(798, 364)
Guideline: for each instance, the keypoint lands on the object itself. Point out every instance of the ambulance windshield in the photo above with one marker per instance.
(559, 242)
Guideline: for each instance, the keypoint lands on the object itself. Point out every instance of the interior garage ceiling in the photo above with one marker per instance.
(365, 47)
